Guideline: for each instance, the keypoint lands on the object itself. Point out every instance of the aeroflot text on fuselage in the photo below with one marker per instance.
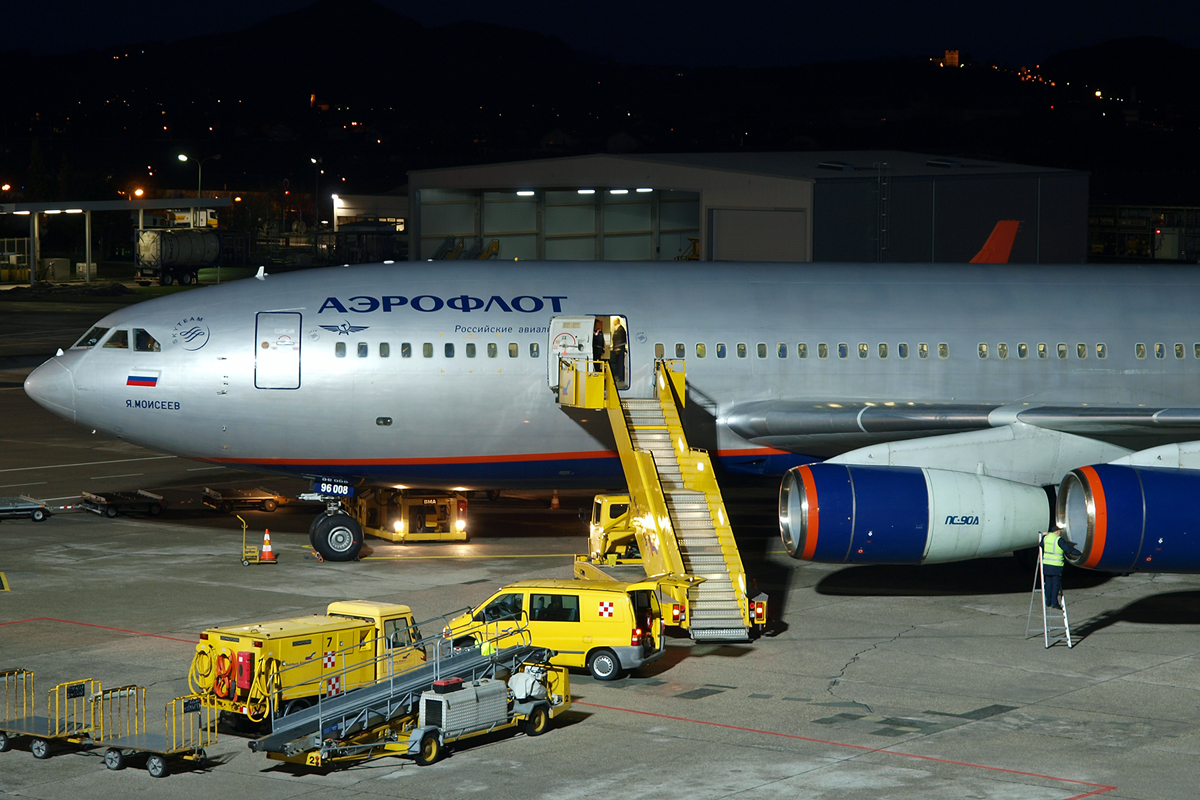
(524, 303)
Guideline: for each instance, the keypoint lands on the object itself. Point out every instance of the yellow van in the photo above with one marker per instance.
(605, 626)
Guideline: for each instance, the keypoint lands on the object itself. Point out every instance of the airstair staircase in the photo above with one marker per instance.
(679, 516)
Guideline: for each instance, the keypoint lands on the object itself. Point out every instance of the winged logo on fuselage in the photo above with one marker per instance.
(345, 329)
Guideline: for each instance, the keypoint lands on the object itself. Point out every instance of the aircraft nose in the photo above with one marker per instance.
(52, 387)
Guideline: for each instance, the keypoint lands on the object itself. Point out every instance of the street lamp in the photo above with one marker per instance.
(316, 188)
(199, 169)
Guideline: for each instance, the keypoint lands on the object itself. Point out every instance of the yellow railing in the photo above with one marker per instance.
(68, 707)
(190, 733)
(119, 712)
(19, 693)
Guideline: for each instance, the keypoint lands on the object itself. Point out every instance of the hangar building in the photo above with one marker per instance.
(808, 206)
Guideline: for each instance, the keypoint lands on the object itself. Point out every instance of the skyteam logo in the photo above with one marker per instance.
(190, 333)
(966, 519)
(523, 303)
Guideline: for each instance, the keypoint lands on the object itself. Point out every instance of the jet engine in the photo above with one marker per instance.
(843, 514)
(1130, 519)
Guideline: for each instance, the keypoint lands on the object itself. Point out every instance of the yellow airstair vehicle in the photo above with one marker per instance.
(677, 513)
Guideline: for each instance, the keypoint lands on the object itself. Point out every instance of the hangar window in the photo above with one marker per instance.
(339, 349)
(741, 350)
(943, 350)
(680, 350)
(720, 349)
(983, 351)
(118, 340)
(1062, 350)
(143, 342)
(843, 350)
(534, 349)
(427, 350)
(761, 349)
(782, 350)
(660, 350)
(922, 350)
(701, 350)
(1022, 350)
(882, 350)
(91, 337)
(491, 349)
(385, 349)
(902, 350)
(1042, 350)
(1002, 350)
(448, 350)
(363, 349)
(822, 350)
(1101, 351)
(1081, 350)
(1179, 351)
(470, 349)
(1159, 350)
(1139, 350)
(801, 350)
(406, 350)
(862, 349)
(513, 350)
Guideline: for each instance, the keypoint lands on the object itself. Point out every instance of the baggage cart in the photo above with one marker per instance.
(109, 504)
(68, 717)
(120, 727)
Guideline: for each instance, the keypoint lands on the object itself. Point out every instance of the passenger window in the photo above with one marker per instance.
(700, 350)
(782, 350)
(922, 350)
(801, 350)
(822, 350)
(943, 350)
(362, 349)
(1179, 351)
(1062, 350)
(680, 350)
(983, 351)
(1139, 350)
(1101, 351)
(902, 350)
(427, 350)
(406, 350)
(761, 349)
(96, 334)
(119, 340)
(143, 342)
(1022, 351)
(720, 349)
(741, 350)
(492, 349)
(448, 350)
(470, 349)
(1159, 350)
(385, 349)
(534, 349)
(660, 350)
(1081, 350)
(339, 349)
(862, 349)
(1196, 350)
(1042, 350)
(882, 350)
(843, 350)
(506, 606)
(513, 350)
(1002, 350)
(553, 608)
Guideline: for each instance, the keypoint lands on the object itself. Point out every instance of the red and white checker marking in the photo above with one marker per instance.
(606, 608)
(330, 660)
(333, 686)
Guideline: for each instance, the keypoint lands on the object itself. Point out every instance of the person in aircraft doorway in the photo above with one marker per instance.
(598, 341)
(620, 343)
(1054, 545)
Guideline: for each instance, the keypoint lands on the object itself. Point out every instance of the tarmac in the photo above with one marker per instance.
(882, 682)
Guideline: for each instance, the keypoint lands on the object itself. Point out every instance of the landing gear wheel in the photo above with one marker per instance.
(431, 749)
(337, 537)
(538, 722)
(269, 505)
(604, 665)
(114, 759)
(5, 742)
(110, 511)
(156, 765)
(38, 515)
(225, 507)
(40, 748)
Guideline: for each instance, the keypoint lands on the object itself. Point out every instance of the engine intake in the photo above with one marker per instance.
(843, 514)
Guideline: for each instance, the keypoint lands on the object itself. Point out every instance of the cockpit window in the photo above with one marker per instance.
(92, 337)
(119, 340)
(143, 342)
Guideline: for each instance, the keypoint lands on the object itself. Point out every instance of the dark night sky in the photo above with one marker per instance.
(700, 32)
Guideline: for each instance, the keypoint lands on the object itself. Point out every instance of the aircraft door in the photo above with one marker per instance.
(277, 350)
(570, 337)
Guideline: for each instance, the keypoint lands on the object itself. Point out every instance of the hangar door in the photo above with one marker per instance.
(755, 234)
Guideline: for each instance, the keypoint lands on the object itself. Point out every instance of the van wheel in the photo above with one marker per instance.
(431, 749)
(538, 722)
(603, 665)
(337, 537)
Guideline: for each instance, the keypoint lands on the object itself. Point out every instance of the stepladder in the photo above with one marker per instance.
(1052, 634)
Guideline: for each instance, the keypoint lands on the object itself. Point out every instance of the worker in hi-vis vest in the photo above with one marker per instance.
(1054, 546)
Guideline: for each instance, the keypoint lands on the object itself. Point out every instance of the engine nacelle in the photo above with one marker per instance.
(1130, 519)
(842, 514)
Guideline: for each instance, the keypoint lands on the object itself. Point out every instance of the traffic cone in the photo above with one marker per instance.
(554, 499)
(267, 553)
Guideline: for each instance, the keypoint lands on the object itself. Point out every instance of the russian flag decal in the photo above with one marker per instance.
(144, 378)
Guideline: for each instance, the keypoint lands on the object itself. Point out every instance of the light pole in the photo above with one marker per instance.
(316, 187)
(200, 169)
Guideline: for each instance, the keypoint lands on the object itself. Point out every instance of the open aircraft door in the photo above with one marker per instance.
(277, 350)
(570, 337)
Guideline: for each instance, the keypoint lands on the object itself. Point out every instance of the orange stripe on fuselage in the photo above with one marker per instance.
(814, 517)
(1100, 530)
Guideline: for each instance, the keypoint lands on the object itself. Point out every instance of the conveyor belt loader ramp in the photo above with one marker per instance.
(679, 517)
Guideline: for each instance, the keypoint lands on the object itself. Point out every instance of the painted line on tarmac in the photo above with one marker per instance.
(4, 587)
(430, 558)
(15, 485)
(102, 627)
(1100, 787)
(87, 463)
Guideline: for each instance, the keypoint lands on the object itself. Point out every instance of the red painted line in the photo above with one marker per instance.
(1100, 787)
(102, 627)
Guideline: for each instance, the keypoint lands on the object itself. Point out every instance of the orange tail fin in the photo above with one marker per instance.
(998, 246)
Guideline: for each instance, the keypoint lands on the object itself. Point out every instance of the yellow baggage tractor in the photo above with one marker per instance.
(68, 717)
(120, 727)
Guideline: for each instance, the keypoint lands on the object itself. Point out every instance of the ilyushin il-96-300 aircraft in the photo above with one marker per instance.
(916, 413)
